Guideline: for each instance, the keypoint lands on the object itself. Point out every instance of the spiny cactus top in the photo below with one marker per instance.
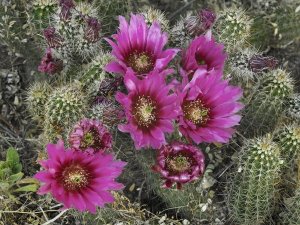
(208, 108)
(65, 105)
(79, 180)
(149, 108)
(278, 83)
(89, 135)
(151, 15)
(179, 163)
(139, 47)
(37, 97)
(233, 27)
(203, 53)
(289, 140)
(265, 153)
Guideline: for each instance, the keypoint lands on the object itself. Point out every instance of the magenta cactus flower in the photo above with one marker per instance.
(149, 109)
(78, 180)
(92, 32)
(53, 39)
(208, 108)
(139, 47)
(49, 64)
(179, 163)
(203, 53)
(91, 136)
(199, 24)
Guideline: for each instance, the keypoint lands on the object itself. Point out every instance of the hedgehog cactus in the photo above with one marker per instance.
(289, 140)
(252, 193)
(269, 98)
(291, 215)
(65, 106)
(233, 28)
(37, 96)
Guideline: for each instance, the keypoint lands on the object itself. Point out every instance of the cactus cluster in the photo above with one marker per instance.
(233, 28)
(253, 189)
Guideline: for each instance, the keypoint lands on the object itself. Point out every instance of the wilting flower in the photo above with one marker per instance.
(208, 108)
(109, 86)
(199, 24)
(79, 180)
(49, 64)
(139, 47)
(203, 53)
(108, 111)
(260, 63)
(90, 135)
(92, 32)
(66, 6)
(53, 39)
(179, 163)
(149, 109)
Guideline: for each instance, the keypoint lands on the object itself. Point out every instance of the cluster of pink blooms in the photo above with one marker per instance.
(202, 104)
(82, 176)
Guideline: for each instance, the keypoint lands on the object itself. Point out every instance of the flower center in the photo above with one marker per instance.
(179, 163)
(144, 111)
(140, 62)
(74, 177)
(91, 139)
(195, 112)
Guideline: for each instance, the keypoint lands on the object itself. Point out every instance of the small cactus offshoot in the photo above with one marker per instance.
(233, 28)
(253, 188)
(289, 140)
(37, 97)
(152, 15)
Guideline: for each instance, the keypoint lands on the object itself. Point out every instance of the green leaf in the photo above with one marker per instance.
(15, 177)
(13, 160)
(4, 186)
(28, 180)
(27, 188)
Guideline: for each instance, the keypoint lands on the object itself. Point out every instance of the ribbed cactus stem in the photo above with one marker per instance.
(253, 188)
(267, 103)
